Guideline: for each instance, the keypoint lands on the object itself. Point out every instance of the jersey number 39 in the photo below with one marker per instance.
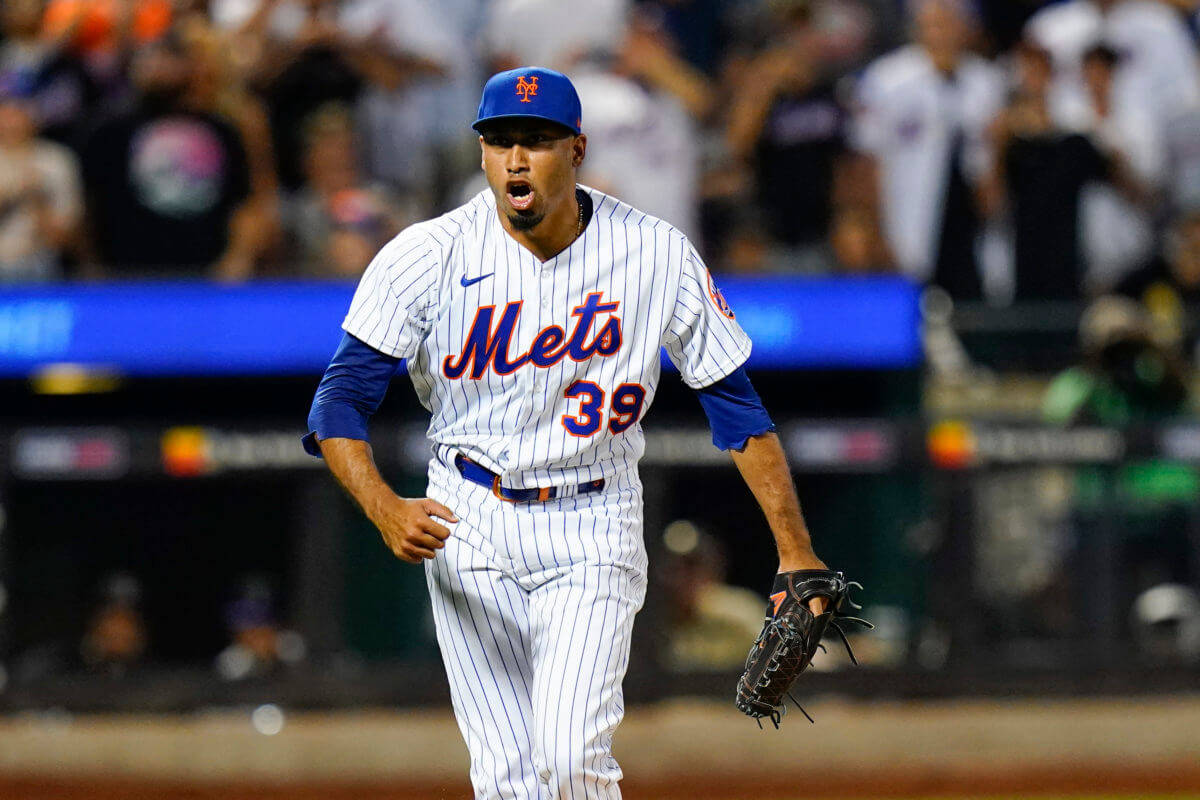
(627, 400)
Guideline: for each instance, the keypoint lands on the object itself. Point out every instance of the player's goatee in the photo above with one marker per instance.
(525, 223)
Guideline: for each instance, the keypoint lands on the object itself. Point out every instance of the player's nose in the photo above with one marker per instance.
(517, 160)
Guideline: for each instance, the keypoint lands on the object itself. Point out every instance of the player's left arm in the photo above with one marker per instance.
(740, 424)
(705, 341)
(764, 467)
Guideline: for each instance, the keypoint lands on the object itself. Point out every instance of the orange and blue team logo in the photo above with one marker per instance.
(718, 299)
(527, 88)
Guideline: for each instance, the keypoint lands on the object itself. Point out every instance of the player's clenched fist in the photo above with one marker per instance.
(409, 527)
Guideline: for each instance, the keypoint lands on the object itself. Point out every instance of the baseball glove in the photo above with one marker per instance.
(790, 637)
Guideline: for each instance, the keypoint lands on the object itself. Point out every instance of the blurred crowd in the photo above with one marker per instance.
(117, 638)
(1001, 149)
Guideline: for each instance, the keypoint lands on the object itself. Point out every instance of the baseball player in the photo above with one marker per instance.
(531, 320)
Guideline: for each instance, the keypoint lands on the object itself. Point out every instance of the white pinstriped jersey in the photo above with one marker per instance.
(541, 372)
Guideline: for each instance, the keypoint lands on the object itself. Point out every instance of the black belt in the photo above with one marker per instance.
(477, 473)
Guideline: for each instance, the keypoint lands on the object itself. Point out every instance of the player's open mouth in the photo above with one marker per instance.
(520, 195)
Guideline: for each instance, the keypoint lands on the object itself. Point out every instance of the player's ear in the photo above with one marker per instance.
(482, 163)
(578, 150)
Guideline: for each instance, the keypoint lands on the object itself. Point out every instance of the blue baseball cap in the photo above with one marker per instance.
(532, 92)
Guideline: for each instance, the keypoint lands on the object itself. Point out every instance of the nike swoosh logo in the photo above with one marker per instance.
(465, 281)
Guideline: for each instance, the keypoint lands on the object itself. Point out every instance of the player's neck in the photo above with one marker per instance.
(553, 234)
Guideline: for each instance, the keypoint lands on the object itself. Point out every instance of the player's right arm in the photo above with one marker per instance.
(408, 526)
(385, 324)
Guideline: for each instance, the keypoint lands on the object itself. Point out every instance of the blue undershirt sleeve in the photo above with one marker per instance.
(349, 393)
(734, 410)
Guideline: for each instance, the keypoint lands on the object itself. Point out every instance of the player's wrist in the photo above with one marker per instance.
(797, 561)
(380, 503)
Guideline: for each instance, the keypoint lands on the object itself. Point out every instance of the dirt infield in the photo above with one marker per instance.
(690, 750)
(1179, 783)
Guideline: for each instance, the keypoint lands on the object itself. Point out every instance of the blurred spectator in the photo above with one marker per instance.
(921, 118)
(216, 88)
(260, 647)
(338, 221)
(855, 246)
(700, 28)
(1005, 20)
(164, 181)
(710, 620)
(103, 34)
(852, 32)
(431, 86)
(39, 197)
(1042, 170)
(1157, 73)
(116, 639)
(551, 33)
(1127, 375)
(1117, 228)
(48, 74)
(747, 246)
(648, 55)
(1165, 620)
(848, 33)
(1158, 67)
(643, 138)
(303, 54)
(858, 248)
(787, 124)
(97, 27)
(1169, 285)
(1131, 374)
(1190, 11)
(298, 59)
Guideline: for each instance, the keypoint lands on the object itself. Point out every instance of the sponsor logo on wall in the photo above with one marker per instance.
(70, 453)
(954, 444)
(191, 452)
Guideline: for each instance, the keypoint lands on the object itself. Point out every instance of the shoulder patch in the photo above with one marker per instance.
(718, 299)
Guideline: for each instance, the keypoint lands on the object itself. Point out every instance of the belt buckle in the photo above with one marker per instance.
(543, 495)
(496, 491)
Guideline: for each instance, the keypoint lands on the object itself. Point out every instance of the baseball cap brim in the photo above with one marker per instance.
(481, 124)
